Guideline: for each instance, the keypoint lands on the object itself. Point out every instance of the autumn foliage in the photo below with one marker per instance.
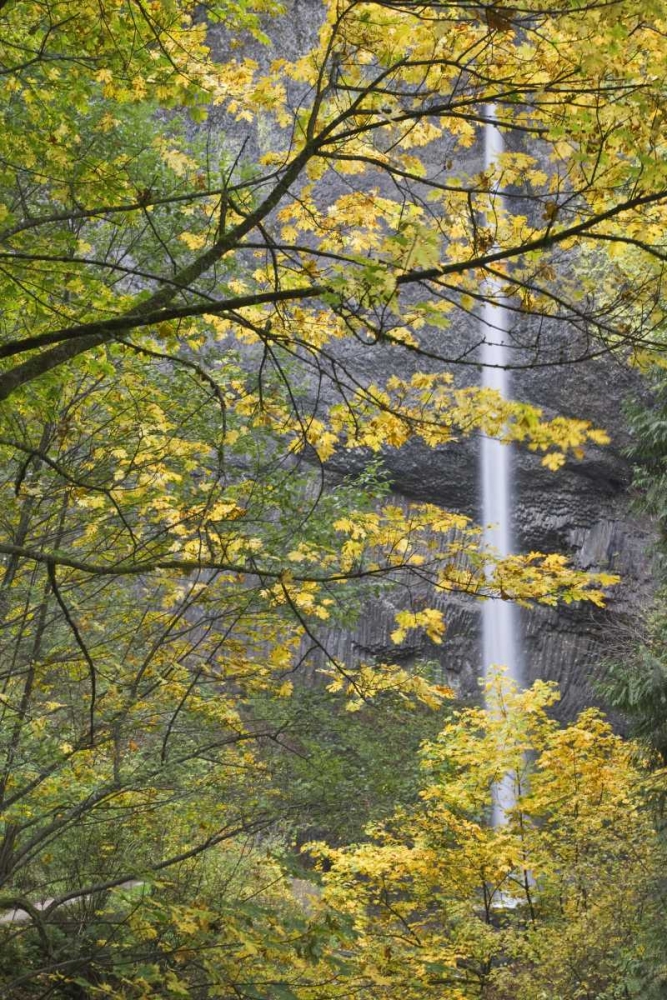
(206, 245)
(558, 900)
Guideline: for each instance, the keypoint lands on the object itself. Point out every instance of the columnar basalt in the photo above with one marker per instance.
(582, 510)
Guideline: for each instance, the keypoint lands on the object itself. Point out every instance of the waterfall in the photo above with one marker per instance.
(499, 618)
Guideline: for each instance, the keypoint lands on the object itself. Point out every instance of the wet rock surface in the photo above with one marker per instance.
(583, 510)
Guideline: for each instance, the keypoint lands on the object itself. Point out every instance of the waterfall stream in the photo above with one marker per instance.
(499, 618)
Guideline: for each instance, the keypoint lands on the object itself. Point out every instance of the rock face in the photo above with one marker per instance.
(583, 510)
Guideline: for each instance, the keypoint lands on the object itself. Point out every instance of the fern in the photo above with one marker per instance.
(648, 426)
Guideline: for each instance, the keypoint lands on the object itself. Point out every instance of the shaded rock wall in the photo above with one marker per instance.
(583, 510)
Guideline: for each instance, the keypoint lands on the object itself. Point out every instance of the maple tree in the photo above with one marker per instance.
(558, 900)
(174, 373)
